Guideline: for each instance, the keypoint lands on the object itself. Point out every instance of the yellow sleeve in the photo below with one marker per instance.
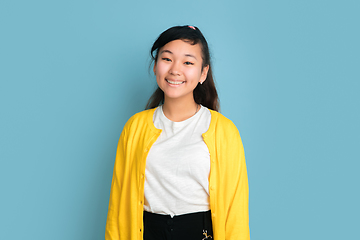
(237, 221)
(112, 222)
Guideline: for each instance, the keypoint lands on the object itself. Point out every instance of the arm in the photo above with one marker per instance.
(112, 222)
(237, 221)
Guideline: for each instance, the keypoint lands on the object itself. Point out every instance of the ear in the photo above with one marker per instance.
(204, 73)
(154, 69)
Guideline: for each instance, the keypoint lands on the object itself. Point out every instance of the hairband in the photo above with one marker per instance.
(192, 27)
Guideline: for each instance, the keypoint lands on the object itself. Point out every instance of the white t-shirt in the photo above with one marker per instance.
(178, 166)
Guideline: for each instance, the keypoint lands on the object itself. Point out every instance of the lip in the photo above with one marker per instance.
(172, 82)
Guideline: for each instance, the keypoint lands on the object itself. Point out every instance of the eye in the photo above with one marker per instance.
(189, 63)
(166, 59)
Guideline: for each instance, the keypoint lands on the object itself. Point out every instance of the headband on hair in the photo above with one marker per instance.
(192, 27)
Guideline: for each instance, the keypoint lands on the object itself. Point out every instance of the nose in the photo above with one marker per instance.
(175, 69)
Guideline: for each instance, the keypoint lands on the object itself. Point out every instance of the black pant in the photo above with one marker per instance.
(192, 226)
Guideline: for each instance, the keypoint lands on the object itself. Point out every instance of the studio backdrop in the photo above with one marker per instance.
(73, 72)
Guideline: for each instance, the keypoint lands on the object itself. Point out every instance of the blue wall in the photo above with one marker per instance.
(72, 73)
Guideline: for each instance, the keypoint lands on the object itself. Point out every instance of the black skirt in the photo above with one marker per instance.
(192, 226)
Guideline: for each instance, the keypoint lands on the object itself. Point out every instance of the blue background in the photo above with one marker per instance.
(72, 73)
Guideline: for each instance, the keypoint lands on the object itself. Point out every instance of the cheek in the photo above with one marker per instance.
(161, 68)
(195, 74)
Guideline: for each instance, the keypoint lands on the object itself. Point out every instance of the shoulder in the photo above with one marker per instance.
(225, 133)
(143, 115)
(140, 120)
(221, 123)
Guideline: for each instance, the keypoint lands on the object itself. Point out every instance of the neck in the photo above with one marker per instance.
(178, 111)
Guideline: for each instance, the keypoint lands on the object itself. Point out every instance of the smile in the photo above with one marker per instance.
(174, 82)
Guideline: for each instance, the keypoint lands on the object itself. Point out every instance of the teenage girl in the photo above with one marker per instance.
(180, 169)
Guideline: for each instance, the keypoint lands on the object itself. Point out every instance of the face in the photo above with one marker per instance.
(178, 69)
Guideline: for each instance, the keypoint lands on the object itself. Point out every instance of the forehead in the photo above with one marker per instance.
(181, 47)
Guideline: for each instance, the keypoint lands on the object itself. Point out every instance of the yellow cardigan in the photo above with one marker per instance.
(228, 183)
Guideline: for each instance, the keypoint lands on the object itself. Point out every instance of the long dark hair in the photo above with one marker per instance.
(204, 94)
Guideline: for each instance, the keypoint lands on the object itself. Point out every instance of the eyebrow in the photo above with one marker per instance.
(168, 51)
(189, 55)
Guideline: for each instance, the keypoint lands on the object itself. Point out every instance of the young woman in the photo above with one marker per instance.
(180, 169)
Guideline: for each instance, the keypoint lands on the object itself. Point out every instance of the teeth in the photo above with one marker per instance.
(172, 82)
